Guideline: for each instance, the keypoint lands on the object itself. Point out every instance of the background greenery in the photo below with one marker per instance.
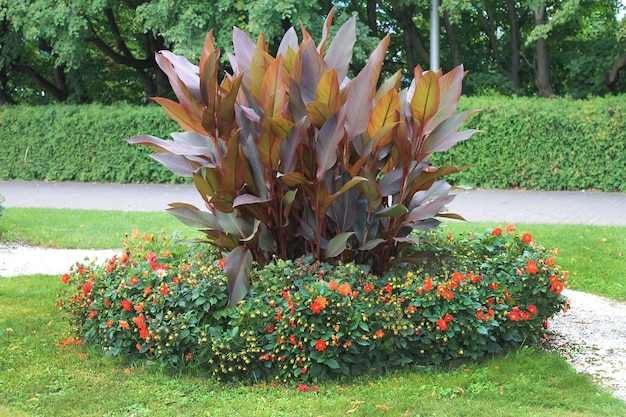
(556, 144)
(103, 51)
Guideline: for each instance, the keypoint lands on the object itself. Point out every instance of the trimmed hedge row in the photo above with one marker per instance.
(549, 144)
(81, 143)
(543, 144)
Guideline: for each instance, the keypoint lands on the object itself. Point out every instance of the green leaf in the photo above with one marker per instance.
(337, 244)
(332, 363)
(393, 211)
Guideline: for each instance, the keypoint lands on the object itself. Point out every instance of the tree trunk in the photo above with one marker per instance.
(515, 45)
(453, 41)
(613, 76)
(543, 63)
(58, 90)
(372, 22)
(416, 50)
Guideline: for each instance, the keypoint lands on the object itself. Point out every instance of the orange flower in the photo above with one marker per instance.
(134, 281)
(510, 228)
(332, 285)
(320, 345)
(65, 278)
(221, 263)
(428, 284)
(368, 288)
(319, 304)
(527, 238)
(93, 314)
(344, 289)
(379, 334)
(496, 232)
(123, 324)
(532, 309)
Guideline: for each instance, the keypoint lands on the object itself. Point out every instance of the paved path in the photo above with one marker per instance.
(541, 207)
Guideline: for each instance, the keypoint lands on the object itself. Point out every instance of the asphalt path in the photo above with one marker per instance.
(513, 206)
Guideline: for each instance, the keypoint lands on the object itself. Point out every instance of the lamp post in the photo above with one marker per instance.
(434, 35)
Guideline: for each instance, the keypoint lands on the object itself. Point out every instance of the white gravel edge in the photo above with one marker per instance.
(591, 335)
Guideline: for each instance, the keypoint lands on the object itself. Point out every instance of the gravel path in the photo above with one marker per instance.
(591, 335)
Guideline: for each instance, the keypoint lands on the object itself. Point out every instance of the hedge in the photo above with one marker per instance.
(548, 144)
(543, 144)
(81, 143)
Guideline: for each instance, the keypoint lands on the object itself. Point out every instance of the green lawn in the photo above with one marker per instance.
(39, 378)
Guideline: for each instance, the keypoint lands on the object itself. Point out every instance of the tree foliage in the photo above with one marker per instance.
(103, 51)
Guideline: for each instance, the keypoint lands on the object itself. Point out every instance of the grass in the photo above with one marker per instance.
(39, 378)
(85, 229)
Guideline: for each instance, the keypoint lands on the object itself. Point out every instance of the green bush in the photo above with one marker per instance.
(543, 144)
(164, 301)
(79, 143)
(550, 144)
(1, 206)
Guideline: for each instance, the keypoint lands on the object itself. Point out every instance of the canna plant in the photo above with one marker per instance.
(292, 157)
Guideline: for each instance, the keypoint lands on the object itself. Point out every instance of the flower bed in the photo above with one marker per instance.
(165, 300)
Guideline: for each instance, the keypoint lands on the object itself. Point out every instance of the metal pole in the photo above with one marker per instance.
(434, 35)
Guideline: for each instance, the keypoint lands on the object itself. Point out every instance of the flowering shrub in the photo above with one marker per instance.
(304, 319)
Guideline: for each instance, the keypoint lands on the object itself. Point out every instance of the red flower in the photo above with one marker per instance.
(411, 309)
(126, 305)
(292, 339)
(368, 288)
(448, 318)
(496, 232)
(549, 261)
(109, 323)
(93, 314)
(531, 267)
(493, 285)
(388, 289)
(532, 309)
(379, 334)
(332, 285)
(165, 290)
(134, 281)
(221, 263)
(428, 284)
(302, 388)
(320, 345)
(527, 238)
(479, 315)
(442, 325)
(514, 315)
(65, 278)
(87, 288)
